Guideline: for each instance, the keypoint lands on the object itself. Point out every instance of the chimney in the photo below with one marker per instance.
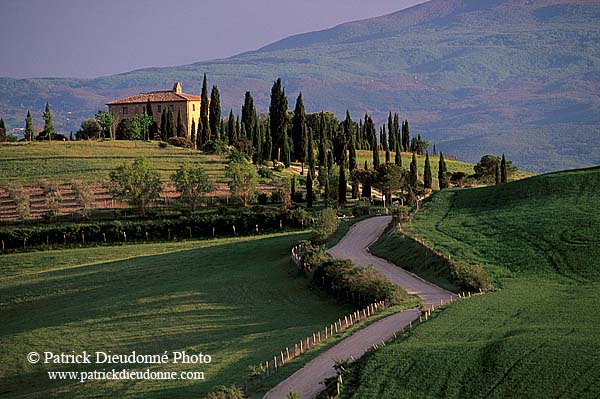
(177, 87)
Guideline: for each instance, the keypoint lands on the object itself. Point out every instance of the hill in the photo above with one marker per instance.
(197, 296)
(536, 335)
(474, 76)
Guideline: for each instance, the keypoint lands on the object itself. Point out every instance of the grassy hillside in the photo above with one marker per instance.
(93, 160)
(198, 296)
(483, 70)
(537, 335)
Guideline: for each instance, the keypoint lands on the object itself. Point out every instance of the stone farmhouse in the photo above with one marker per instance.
(178, 101)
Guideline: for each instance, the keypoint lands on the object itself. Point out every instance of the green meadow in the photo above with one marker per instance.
(238, 300)
(537, 335)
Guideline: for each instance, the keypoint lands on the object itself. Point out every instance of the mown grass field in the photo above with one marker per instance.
(30, 162)
(238, 300)
(536, 336)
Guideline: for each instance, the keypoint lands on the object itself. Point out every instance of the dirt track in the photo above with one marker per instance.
(307, 381)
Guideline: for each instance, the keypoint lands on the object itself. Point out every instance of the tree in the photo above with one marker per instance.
(249, 118)
(204, 134)
(375, 149)
(388, 178)
(22, 201)
(3, 137)
(286, 152)
(48, 124)
(485, 169)
(179, 128)
(442, 172)
(413, 177)
(309, 189)
(84, 194)
(257, 140)
(398, 156)
(497, 175)
(384, 142)
(268, 147)
(29, 132)
(90, 129)
(52, 196)
(152, 129)
(244, 180)
(503, 170)
(458, 178)
(299, 131)
(170, 124)
(278, 120)
(427, 179)
(405, 136)
(231, 128)
(215, 113)
(163, 125)
(192, 183)
(138, 184)
(106, 121)
(193, 133)
(342, 185)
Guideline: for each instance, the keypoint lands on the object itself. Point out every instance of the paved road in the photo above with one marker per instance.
(307, 381)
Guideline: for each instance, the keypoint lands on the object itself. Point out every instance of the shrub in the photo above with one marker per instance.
(298, 197)
(276, 196)
(265, 173)
(279, 167)
(163, 144)
(182, 142)
(215, 147)
(223, 392)
(262, 198)
(327, 223)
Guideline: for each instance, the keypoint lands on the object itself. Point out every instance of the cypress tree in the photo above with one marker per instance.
(366, 187)
(309, 189)
(222, 133)
(249, 117)
(3, 137)
(257, 143)
(299, 131)
(170, 123)
(238, 130)
(48, 124)
(199, 130)
(152, 129)
(413, 178)
(231, 128)
(385, 146)
(391, 141)
(442, 172)
(278, 120)
(310, 152)
(398, 156)
(342, 185)
(179, 128)
(286, 151)
(215, 113)
(193, 133)
(397, 137)
(427, 179)
(149, 108)
(29, 132)
(268, 147)
(375, 149)
(204, 133)
(293, 186)
(163, 125)
(503, 171)
(434, 150)
(405, 136)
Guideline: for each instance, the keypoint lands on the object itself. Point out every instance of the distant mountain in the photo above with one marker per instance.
(474, 76)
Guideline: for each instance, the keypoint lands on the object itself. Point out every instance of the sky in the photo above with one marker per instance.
(90, 38)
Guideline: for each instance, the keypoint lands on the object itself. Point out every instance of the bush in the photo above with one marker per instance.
(262, 198)
(265, 173)
(298, 197)
(277, 196)
(182, 142)
(278, 167)
(215, 147)
(327, 223)
(163, 144)
(223, 392)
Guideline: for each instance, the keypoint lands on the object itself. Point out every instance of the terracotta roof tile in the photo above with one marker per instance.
(156, 96)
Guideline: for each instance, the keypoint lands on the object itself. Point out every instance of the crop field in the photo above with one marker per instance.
(238, 300)
(537, 335)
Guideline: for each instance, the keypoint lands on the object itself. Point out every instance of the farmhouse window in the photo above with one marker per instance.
(125, 110)
(171, 107)
(159, 109)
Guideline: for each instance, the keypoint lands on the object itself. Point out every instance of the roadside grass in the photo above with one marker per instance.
(238, 300)
(535, 336)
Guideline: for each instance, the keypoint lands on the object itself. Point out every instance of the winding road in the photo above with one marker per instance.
(355, 246)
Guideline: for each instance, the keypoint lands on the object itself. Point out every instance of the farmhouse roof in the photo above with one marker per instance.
(157, 97)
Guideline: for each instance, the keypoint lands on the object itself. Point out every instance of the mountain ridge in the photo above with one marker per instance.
(466, 74)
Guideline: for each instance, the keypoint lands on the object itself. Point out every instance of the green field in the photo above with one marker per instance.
(30, 162)
(537, 335)
(239, 300)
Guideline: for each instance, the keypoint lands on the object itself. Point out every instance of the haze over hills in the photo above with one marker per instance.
(474, 76)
